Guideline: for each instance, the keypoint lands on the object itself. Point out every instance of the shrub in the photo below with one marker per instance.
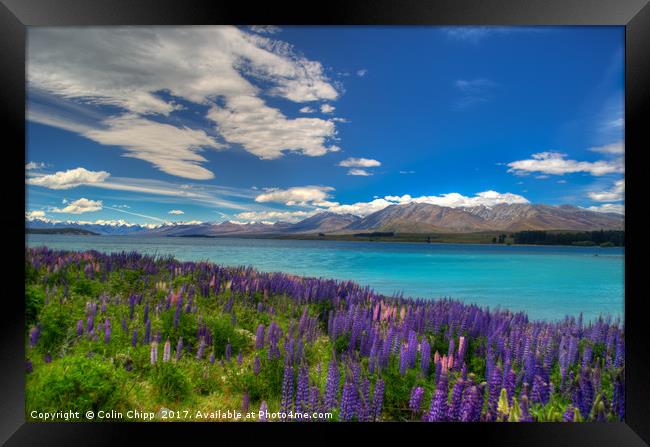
(223, 332)
(170, 382)
(76, 383)
(34, 301)
(56, 322)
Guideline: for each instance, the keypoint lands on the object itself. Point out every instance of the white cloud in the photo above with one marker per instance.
(616, 194)
(34, 214)
(171, 149)
(32, 165)
(615, 148)
(452, 200)
(129, 67)
(297, 195)
(361, 73)
(307, 109)
(274, 216)
(608, 208)
(80, 206)
(360, 163)
(359, 172)
(327, 108)
(177, 212)
(69, 179)
(267, 133)
(556, 163)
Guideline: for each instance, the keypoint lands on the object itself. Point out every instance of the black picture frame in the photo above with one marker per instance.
(16, 15)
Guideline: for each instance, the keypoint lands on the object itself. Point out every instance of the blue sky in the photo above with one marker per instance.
(152, 125)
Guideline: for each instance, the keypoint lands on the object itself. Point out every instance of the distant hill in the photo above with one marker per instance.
(424, 217)
(67, 230)
(412, 218)
(326, 222)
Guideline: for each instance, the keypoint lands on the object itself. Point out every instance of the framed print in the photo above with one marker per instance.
(387, 216)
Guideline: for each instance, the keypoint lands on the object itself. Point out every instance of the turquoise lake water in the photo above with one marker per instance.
(546, 282)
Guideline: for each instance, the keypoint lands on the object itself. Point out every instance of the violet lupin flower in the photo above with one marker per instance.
(179, 348)
(332, 385)
(134, 338)
(154, 353)
(147, 333)
(456, 399)
(199, 352)
(228, 352)
(569, 414)
(47, 358)
(257, 366)
(425, 359)
(33, 335)
(287, 389)
(107, 331)
(349, 402)
(240, 358)
(167, 351)
(259, 337)
(377, 399)
(245, 401)
(80, 328)
(470, 404)
(416, 399)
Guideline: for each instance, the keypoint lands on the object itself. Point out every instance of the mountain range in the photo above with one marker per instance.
(399, 218)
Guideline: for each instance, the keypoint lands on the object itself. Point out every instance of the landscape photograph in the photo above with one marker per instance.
(325, 224)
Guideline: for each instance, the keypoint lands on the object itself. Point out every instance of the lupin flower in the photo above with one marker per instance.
(332, 385)
(167, 351)
(28, 366)
(286, 404)
(377, 399)
(257, 366)
(245, 402)
(264, 409)
(416, 399)
(228, 352)
(179, 348)
(259, 338)
(107, 331)
(199, 352)
(33, 335)
(154, 353)
(80, 328)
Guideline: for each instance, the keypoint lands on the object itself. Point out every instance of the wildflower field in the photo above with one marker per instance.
(124, 331)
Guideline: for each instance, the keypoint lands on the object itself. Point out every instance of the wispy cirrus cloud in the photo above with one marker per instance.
(473, 91)
(224, 68)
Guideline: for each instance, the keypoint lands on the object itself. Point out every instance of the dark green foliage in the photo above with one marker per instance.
(86, 287)
(608, 238)
(266, 385)
(76, 383)
(34, 301)
(56, 325)
(170, 382)
(398, 392)
(223, 332)
(342, 343)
